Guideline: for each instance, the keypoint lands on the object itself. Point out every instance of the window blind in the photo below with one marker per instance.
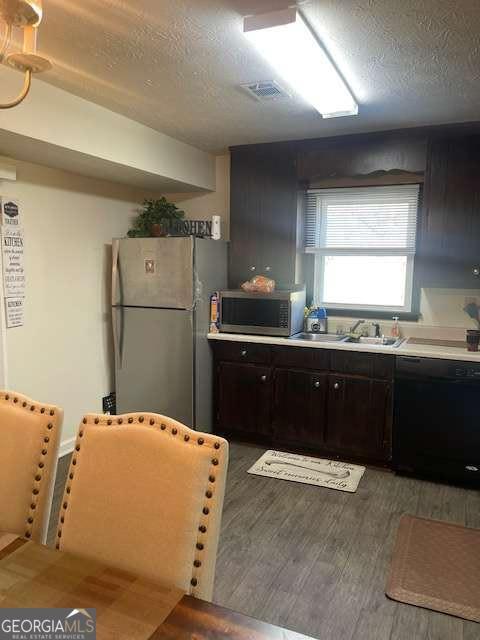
(364, 220)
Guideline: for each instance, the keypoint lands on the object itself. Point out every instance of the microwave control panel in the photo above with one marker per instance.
(284, 314)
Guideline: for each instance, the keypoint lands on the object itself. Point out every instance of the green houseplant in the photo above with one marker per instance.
(155, 218)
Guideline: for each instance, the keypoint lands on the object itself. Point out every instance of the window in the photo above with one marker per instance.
(364, 242)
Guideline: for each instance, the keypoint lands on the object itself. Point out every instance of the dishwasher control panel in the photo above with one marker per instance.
(437, 368)
(466, 371)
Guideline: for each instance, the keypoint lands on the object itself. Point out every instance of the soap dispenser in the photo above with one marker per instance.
(395, 332)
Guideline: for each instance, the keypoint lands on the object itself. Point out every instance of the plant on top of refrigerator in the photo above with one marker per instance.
(155, 219)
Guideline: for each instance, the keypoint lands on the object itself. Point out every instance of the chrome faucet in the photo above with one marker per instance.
(356, 325)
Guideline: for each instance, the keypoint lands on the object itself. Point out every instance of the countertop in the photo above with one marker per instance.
(405, 349)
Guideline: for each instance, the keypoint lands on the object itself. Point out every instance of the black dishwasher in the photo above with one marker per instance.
(437, 418)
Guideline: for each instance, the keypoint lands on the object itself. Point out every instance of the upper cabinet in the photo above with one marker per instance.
(268, 181)
(263, 213)
(450, 247)
(379, 156)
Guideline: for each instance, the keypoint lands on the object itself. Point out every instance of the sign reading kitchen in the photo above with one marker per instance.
(13, 262)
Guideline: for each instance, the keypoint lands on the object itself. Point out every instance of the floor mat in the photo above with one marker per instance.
(436, 565)
(332, 474)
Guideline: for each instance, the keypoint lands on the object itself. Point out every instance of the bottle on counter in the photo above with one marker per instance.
(214, 313)
(395, 331)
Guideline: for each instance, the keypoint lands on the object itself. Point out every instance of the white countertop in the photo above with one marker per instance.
(405, 349)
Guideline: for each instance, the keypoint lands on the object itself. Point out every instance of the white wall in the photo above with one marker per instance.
(90, 139)
(63, 354)
(216, 203)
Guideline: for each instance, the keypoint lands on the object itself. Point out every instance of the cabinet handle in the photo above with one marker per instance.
(472, 467)
(263, 378)
(243, 353)
(476, 271)
(316, 384)
(268, 268)
(252, 268)
(336, 386)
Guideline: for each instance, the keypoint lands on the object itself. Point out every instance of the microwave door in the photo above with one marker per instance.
(255, 315)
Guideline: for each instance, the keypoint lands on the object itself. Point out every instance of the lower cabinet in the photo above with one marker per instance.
(244, 398)
(299, 407)
(312, 406)
(358, 415)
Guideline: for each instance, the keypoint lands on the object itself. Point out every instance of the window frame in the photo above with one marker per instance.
(409, 311)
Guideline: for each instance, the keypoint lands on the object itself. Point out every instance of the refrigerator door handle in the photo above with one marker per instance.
(118, 313)
(115, 271)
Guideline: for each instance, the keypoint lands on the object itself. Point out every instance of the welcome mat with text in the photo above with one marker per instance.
(317, 471)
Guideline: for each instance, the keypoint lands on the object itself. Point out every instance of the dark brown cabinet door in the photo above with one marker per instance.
(263, 214)
(450, 247)
(358, 416)
(299, 410)
(244, 396)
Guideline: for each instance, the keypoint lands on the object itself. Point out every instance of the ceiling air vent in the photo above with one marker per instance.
(267, 90)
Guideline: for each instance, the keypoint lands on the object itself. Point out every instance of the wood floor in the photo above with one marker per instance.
(315, 560)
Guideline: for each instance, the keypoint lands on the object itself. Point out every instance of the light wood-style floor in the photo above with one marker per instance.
(315, 560)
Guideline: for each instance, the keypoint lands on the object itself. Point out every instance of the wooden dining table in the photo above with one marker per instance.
(127, 606)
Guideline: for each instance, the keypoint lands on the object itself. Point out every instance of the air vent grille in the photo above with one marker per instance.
(265, 91)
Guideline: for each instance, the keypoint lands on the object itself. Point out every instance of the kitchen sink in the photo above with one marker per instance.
(318, 337)
(381, 342)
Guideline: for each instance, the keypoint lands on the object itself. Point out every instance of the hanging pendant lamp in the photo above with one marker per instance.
(26, 15)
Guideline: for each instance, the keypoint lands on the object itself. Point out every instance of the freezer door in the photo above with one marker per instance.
(154, 361)
(153, 272)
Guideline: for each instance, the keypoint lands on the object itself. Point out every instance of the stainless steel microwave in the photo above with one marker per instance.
(270, 314)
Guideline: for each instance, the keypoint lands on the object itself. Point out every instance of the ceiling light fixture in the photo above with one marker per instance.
(26, 15)
(289, 45)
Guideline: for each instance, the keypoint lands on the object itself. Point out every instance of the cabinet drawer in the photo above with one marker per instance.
(242, 352)
(375, 366)
(301, 358)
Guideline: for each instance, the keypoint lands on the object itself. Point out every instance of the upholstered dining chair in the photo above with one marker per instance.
(29, 436)
(144, 493)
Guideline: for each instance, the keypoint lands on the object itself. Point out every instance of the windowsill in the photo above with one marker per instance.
(369, 313)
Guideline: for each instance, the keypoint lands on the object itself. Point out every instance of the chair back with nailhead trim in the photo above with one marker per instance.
(30, 436)
(145, 494)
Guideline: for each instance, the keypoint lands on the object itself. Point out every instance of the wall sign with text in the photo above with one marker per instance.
(10, 213)
(13, 257)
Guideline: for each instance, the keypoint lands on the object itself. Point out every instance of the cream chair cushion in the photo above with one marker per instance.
(145, 494)
(29, 436)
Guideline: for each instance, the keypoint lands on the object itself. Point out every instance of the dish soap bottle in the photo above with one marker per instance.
(395, 332)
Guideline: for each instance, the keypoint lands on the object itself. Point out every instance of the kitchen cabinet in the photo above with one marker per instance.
(358, 414)
(450, 244)
(244, 398)
(362, 155)
(299, 410)
(263, 214)
(332, 402)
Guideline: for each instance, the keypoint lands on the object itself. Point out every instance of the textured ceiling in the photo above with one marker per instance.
(175, 65)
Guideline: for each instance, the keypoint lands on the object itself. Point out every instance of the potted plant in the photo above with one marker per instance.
(154, 219)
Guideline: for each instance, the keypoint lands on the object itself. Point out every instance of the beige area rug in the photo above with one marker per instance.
(318, 471)
(436, 565)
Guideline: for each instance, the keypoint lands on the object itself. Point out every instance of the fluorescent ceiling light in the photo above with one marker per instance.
(288, 44)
